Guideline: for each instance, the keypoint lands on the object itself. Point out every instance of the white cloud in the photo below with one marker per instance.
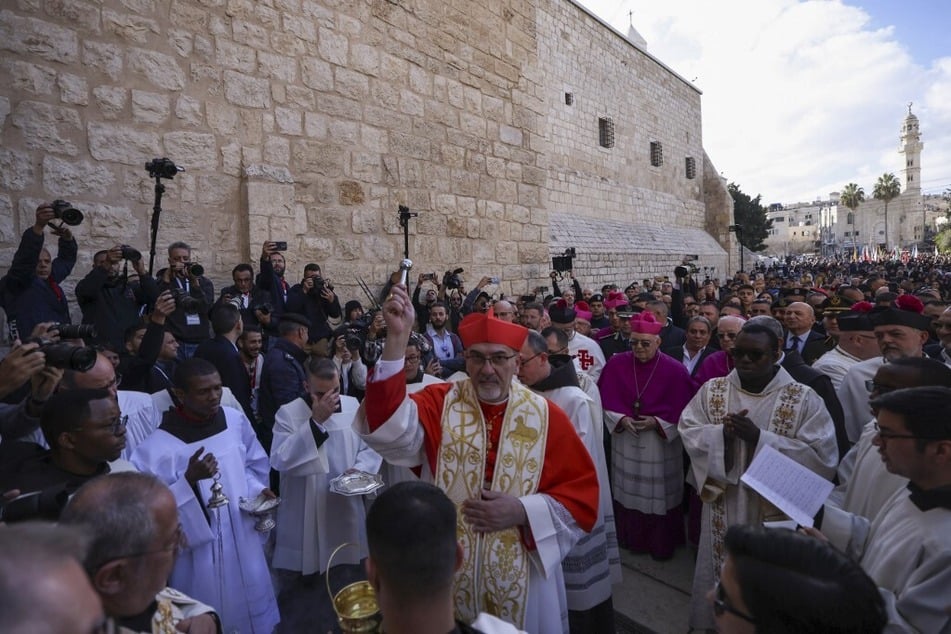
(799, 98)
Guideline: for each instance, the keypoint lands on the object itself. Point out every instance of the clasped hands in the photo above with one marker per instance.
(638, 424)
(494, 511)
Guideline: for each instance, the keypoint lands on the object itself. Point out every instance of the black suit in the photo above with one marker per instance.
(822, 385)
(816, 345)
(671, 336)
(222, 354)
(677, 352)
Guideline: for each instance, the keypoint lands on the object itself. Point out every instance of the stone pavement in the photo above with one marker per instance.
(654, 597)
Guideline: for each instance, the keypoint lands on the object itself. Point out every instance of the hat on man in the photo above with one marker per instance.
(836, 304)
(486, 328)
(645, 323)
(907, 311)
(560, 313)
(856, 319)
(583, 311)
(644, 297)
(632, 286)
(295, 318)
(615, 299)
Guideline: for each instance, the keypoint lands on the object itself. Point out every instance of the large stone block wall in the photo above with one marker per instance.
(312, 120)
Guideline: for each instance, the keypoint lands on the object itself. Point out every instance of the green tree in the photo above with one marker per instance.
(749, 214)
(852, 196)
(887, 188)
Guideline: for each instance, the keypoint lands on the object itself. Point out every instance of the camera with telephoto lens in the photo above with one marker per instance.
(451, 279)
(75, 331)
(194, 269)
(65, 212)
(46, 504)
(131, 254)
(186, 302)
(319, 285)
(66, 356)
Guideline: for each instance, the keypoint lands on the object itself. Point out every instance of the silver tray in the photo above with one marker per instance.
(356, 483)
(258, 505)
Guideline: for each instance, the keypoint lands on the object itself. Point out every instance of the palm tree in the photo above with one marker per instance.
(887, 188)
(852, 196)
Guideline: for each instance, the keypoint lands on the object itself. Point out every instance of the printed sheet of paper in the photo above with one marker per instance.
(791, 487)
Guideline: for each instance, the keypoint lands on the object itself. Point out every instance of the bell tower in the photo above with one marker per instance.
(911, 146)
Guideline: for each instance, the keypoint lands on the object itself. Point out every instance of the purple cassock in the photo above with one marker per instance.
(716, 365)
(647, 469)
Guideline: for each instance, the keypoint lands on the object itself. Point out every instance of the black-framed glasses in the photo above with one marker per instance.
(497, 360)
(886, 435)
(720, 605)
(752, 355)
(536, 355)
(114, 426)
(413, 359)
(641, 343)
(726, 335)
(872, 386)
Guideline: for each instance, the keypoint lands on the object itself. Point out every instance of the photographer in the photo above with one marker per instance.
(478, 300)
(423, 307)
(194, 294)
(31, 291)
(110, 298)
(352, 371)
(144, 343)
(315, 299)
(254, 304)
(271, 278)
(25, 364)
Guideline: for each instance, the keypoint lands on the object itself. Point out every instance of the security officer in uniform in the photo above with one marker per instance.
(283, 377)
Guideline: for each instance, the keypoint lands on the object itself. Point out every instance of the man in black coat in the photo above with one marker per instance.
(697, 346)
(253, 303)
(283, 377)
(271, 277)
(222, 352)
(314, 298)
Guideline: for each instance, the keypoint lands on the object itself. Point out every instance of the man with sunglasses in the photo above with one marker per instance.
(720, 363)
(135, 537)
(906, 547)
(856, 343)
(730, 418)
(510, 460)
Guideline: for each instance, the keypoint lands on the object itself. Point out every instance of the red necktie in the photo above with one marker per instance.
(56, 289)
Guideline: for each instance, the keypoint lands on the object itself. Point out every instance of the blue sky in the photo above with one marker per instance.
(825, 85)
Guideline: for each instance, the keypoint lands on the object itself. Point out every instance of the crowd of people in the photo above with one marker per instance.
(558, 427)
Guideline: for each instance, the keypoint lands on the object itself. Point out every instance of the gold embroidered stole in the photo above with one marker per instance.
(783, 421)
(495, 570)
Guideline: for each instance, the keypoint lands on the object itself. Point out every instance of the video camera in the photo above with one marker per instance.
(452, 279)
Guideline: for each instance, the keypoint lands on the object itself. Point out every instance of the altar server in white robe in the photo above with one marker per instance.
(314, 442)
(723, 427)
(906, 548)
(224, 563)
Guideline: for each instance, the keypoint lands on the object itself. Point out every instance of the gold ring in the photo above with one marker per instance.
(389, 297)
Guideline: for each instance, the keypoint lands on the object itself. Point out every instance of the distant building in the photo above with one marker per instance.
(826, 227)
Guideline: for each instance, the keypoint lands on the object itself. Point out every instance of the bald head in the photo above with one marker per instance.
(504, 310)
(799, 318)
(102, 375)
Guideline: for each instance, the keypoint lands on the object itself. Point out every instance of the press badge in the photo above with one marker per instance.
(192, 320)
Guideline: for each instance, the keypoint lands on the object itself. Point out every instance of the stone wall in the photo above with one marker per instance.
(312, 120)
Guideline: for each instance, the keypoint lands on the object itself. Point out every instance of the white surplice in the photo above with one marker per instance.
(865, 485)
(224, 568)
(907, 553)
(809, 439)
(853, 395)
(594, 564)
(312, 520)
(588, 356)
(835, 364)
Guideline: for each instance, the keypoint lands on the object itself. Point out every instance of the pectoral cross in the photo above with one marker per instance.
(637, 408)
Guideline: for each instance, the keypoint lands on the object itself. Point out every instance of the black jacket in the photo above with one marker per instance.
(178, 322)
(112, 304)
(822, 385)
(316, 309)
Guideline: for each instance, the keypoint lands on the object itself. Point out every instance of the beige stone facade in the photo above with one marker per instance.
(312, 120)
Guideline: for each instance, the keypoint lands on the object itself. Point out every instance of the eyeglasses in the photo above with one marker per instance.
(641, 343)
(752, 355)
(116, 380)
(558, 351)
(176, 545)
(720, 605)
(412, 359)
(524, 361)
(118, 423)
(726, 335)
(885, 435)
(872, 386)
(497, 360)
